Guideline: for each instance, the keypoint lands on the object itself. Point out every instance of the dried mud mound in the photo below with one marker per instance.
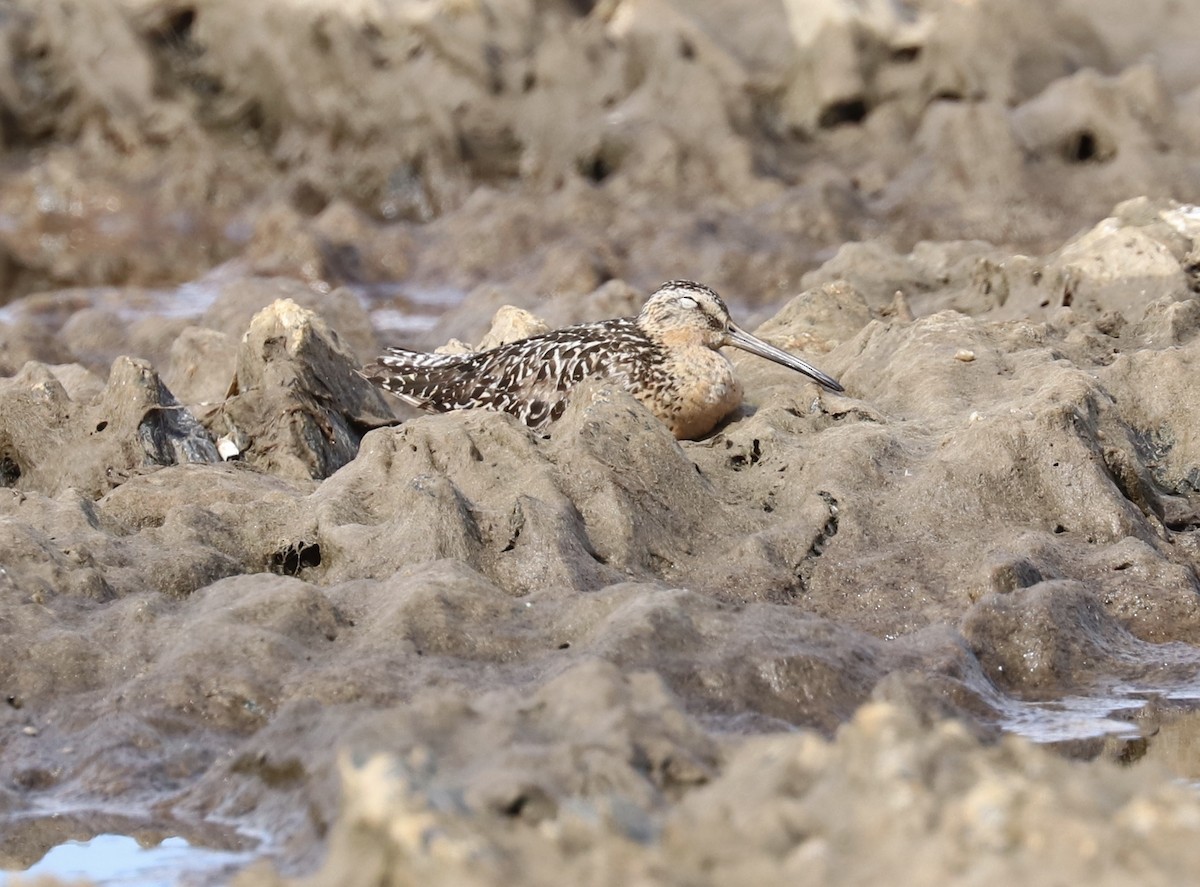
(940, 809)
(562, 644)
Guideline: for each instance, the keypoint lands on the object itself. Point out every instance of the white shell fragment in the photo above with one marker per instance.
(227, 448)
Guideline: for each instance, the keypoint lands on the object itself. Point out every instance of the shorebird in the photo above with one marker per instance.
(667, 357)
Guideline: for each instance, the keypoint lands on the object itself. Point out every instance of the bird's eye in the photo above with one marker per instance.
(688, 302)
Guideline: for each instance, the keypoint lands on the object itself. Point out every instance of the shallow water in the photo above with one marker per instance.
(1111, 711)
(120, 861)
(403, 311)
(1071, 718)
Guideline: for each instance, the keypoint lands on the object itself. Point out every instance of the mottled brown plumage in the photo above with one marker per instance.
(666, 357)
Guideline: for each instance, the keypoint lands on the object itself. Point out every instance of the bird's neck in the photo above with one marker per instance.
(682, 338)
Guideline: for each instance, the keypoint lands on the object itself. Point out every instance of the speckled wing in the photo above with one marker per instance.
(529, 379)
(410, 375)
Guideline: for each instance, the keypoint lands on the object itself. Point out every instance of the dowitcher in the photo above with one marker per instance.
(667, 357)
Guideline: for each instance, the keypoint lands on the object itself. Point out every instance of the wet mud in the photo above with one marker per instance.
(942, 627)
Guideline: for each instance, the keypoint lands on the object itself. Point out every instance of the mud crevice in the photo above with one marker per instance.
(825, 535)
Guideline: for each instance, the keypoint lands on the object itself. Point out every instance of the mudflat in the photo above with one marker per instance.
(941, 628)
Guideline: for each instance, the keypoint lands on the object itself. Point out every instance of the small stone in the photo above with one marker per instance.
(30, 731)
(965, 355)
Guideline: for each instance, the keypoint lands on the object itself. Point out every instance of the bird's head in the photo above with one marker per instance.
(683, 313)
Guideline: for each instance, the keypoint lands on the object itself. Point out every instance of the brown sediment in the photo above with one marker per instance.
(452, 650)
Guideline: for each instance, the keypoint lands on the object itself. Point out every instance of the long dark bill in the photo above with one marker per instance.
(739, 338)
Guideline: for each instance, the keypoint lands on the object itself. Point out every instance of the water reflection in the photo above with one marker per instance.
(120, 861)
(1122, 711)
(1071, 718)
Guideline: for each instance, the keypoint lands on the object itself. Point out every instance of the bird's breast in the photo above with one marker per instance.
(703, 391)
